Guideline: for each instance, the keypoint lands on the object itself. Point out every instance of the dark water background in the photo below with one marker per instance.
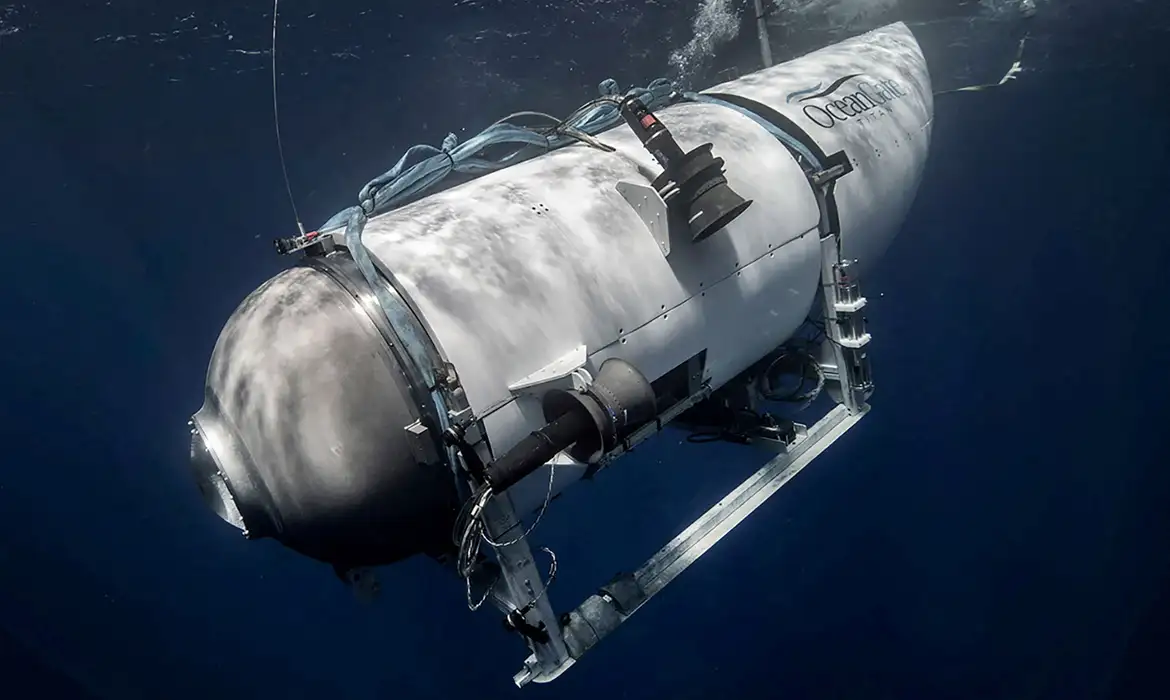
(997, 528)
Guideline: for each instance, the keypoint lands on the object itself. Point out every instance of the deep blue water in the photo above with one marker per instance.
(997, 528)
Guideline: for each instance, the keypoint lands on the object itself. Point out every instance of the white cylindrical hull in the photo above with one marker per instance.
(513, 270)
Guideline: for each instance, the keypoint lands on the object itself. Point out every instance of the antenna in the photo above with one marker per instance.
(276, 120)
(1016, 68)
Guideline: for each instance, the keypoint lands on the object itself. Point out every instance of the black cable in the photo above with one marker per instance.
(739, 432)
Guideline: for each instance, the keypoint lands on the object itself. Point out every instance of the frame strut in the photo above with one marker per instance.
(602, 613)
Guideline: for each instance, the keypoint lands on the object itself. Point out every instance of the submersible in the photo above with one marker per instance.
(453, 363)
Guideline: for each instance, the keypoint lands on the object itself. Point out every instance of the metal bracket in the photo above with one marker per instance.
(567, 371)
(844, 329)
(651, 208)
(524, 588)
(422, 443)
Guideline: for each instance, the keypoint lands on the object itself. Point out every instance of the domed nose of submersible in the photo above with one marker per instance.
(311, 432)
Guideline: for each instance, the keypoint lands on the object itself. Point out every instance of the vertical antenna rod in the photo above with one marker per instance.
(276, 121)
(762, 30)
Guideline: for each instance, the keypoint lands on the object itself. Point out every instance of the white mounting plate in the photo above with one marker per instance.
(566, 369)
(651, 209)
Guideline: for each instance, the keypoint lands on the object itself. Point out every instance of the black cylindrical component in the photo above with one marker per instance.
(651, 132)
(711, 203)
(704, 200)
(618, 401)
(538, 448)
